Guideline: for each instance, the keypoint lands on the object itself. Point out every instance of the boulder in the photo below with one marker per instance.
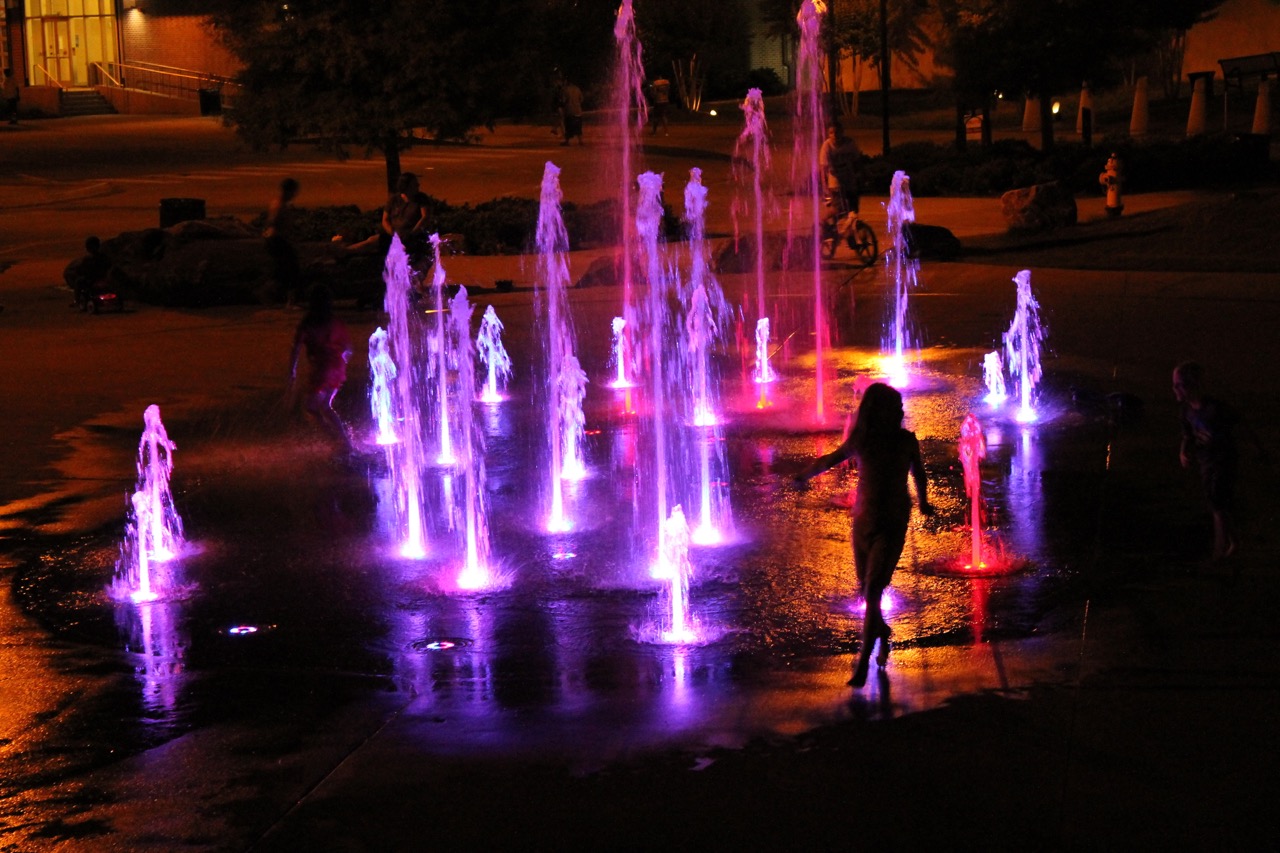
(930, 242)
(738, 256)
(1039, 207)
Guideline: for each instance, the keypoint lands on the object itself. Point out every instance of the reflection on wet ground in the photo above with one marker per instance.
(294, 579)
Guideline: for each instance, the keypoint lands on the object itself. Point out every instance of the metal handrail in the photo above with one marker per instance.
(49, 78)
(105, 73)
(166, 80)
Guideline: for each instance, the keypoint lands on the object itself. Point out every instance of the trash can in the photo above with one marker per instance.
(175, 210)
(210, 102)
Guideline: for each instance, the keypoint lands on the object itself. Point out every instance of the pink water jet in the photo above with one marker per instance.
(973, 449)
(751, 160)
(153, 533)
(807, 202)
(674, 569)
(439, 365)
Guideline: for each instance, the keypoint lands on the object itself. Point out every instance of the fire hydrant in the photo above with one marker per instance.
(1112, 178)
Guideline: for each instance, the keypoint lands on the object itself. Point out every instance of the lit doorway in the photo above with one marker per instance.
(68, 39)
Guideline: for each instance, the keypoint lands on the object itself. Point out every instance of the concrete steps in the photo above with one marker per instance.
(84, 102)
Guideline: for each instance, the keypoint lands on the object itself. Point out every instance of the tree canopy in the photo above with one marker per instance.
(374, 72)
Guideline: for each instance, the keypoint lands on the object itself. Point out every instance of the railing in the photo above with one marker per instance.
(101, 69)
(49, 78)
(165, 80)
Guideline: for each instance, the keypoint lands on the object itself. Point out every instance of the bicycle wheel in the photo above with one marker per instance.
(863, 242)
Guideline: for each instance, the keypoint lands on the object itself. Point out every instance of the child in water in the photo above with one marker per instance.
(327, 344)
(884, 454)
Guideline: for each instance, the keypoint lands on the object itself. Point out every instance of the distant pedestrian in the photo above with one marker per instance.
(327, 344)
(405, 215)
(89, 274)
(10, 95)
(1209, 427)
(660, 91)
(884, 454)
(570, 99)
(286, 270)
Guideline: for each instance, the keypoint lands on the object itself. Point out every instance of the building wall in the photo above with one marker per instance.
(179, 41)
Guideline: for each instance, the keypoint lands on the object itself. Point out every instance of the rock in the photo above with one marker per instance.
(739, 256)
(930, 242)
(1039, 207)
(602, 272)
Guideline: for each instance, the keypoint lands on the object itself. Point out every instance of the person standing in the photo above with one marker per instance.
(10, 94)
(571, 112)
(661, 89)
(286, 270)
(327, 343)
(884, 454)
(405, 216)
(1208, 441)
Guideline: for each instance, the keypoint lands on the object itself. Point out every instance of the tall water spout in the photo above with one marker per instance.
(751, 160)
(973, 449)
(441, 363)
(475, 570)
(806, 210)
(1022, 347)
(493, 354)
(153, 533)
(406, 458)
(648, 228)
(565, 379)
(628, 91)
(382, 376)
(902, 272)
(705, 308)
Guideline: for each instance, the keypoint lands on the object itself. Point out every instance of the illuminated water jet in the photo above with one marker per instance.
(1022, 347)
(493, 354)
(153, 533)
(566, 381)
(902, 272)
(382, 374)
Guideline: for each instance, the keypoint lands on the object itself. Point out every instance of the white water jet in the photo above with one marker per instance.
(628, 101)
(442, 362)
(675, 569)
(382, 375)
(993, 378)
(1022, 347)
(496, 361)
(902, 273)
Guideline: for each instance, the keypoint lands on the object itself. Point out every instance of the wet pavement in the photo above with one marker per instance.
(1114, 691)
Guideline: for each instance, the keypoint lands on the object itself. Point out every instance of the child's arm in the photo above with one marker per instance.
(921, 477)
(825, 462)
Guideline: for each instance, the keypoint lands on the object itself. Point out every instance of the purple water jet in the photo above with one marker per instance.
(476, 573)
(705, 306)
(902, 272)
(153, 533)
(1022, 347)
(496, 361)
(439, 365)
(674, 569)
(405, 458)
(628, 93)
(566, 380)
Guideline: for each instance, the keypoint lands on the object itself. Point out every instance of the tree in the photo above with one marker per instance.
(371, 73)
(697, 42)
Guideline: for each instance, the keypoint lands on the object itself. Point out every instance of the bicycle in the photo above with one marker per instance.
(848, 227)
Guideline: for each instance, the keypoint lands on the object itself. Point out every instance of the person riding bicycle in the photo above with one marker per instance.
(838, 158)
